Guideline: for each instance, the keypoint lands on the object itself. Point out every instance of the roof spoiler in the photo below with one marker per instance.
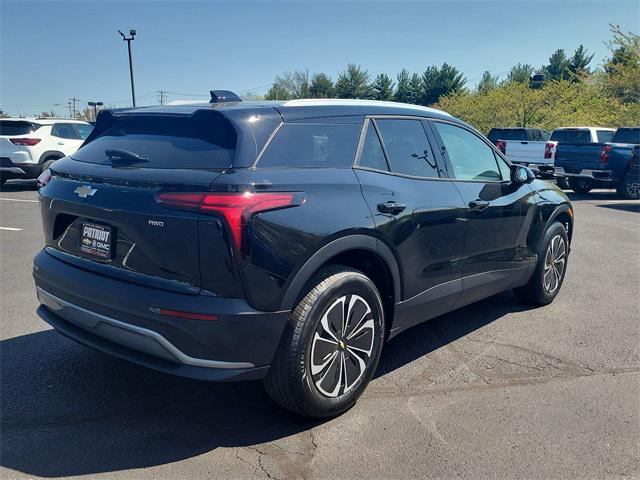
(223, 96)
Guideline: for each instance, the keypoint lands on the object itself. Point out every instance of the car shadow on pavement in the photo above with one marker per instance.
(20, 186)
(624, 207)
(67, 410)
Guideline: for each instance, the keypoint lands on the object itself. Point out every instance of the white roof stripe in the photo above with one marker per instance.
(358, 103)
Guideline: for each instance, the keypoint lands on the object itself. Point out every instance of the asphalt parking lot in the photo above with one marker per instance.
(491, 390)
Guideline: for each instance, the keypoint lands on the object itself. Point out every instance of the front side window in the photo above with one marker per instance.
(407, 147)
(470, 157)
(64, 130)
(83, 130)
(312, 145)
(372, 155)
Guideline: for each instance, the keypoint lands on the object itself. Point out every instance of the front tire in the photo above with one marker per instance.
(562, 183)
(331, 345)
(629, 187)
(580, 185)
(546, 281)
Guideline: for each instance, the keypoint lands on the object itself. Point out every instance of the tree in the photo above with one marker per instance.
(353, 83)
(321, 86)
(382, 87)
(487, 83)
(277, 92)
(558, 67)
(290, 85)
(403, 88)
(437, 82)
(579, 63)
(4, 114)
(251, 96)
(520, 73)
(621, 79)
(415, 89)
(48, 114)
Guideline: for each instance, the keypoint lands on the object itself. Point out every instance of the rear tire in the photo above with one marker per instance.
(580, 185)
(47, 163)
(323, 364)
(546, 281)
(629, 187)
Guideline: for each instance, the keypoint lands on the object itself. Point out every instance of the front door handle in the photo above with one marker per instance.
(478, 205)
(391, 207)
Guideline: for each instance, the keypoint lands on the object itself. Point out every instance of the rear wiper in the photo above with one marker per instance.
(118, 155)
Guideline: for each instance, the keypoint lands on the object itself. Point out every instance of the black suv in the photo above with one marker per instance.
(286, 240)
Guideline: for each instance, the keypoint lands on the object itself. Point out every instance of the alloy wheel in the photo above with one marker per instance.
(342, 345)
(554, 263)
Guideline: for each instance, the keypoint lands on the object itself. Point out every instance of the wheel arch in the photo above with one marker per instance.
(49, 155)
(352, 251)
(564, 214)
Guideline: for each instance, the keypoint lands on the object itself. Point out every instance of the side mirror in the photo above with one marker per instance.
(520, 174)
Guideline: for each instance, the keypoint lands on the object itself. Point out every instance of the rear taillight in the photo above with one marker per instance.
(236, 208)
(25, 142)
(502, 146)
(604, 154)
(548, 150)
(44, 178)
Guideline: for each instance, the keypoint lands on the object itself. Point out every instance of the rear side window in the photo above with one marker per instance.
(205, 140)
(372, 155)
(604, 136)
(507, 134)
(627, 135)
(9, 127)
(312, 145)
(65, 130)
(407, 147)
(571, 136)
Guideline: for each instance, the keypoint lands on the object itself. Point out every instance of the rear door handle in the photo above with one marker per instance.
(391, 207)
(478, 205)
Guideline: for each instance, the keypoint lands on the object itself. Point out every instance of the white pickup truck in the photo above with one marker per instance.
(526, 146)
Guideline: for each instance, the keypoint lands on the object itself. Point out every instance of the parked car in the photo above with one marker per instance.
(287, 240)
(601, 164)
(526, 146)
(28, 146)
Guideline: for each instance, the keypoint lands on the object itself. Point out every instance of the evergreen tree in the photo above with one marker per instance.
(383, 87)
(487, 83)
(353, 83)
(321, 86)
(403, 87)
(437, 82)
(520, 73)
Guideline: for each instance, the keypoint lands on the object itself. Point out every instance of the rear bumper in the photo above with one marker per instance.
(9, 169)
(115, 317)
(600, 175)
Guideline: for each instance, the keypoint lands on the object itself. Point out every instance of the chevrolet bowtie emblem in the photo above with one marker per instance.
(85, 191)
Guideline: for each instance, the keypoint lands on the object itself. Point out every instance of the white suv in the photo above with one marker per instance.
(29, 145)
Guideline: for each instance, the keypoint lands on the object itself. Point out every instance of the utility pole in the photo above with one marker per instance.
(72, 106)
(132, 34)
(162, 96)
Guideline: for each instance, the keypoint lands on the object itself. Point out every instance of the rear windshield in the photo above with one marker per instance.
(571, 136)
(605, 136)
(627, 135)
(191, 142)
(312, 145)
(10, 127)
(507, 134)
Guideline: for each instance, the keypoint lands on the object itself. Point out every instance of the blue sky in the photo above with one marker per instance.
(54, 50)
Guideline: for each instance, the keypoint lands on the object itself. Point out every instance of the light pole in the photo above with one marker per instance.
(132, 34)
(95, 106)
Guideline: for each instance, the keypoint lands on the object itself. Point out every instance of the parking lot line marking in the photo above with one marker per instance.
(18, 200)
(11, 229)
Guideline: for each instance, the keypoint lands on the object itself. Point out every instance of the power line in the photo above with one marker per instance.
(73, 101)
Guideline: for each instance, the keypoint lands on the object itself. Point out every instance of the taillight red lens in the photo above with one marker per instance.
(604, 154)
(548, 150)
(182, 314)
(25, 142)
(236, 208)
(44, 178)
(502, 146)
